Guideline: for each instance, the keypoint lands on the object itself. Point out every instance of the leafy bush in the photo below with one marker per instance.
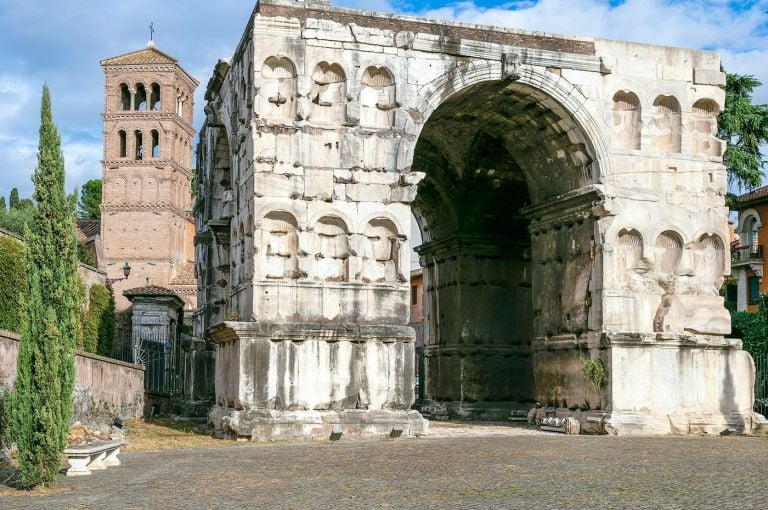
(594, 371)
(14, 220)
(752, 328)
(13, 284)
(85, 256)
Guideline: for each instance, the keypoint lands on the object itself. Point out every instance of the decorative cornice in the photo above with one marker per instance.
(571, 207)
(657, 340)
(143, 206)
(148, 163)
(476, 350)
(231, 331)
(144, 115)
(468, 244)
(154, 68)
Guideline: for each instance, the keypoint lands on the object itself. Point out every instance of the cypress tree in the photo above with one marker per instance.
(14, 202)
(2, 204)
(42, 403)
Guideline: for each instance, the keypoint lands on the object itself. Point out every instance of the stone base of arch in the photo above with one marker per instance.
(654, 384)
(680, 384)
(303, 381)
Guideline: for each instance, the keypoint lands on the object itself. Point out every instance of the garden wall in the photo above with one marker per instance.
(103, 386)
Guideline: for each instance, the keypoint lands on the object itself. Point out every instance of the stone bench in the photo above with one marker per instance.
(87, 457)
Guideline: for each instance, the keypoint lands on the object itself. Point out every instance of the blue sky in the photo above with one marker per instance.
(61, 42)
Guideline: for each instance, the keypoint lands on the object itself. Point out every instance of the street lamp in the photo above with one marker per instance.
(126, 272)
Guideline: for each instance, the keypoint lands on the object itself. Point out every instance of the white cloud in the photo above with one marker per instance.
(15, 98)
(82, 162)
(62, 42)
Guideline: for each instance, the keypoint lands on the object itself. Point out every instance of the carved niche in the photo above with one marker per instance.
(333, 249)
(669, 251)
(381, 257)
(629, 253)
(709, 265)
(328, 94)
(704, 128)
(626, 121)
(280, 240)
(377, 98)
(277, 96)
(665, 135)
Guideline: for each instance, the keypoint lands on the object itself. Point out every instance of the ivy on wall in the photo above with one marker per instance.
(13, 284)
(97, 324)
(99, 321)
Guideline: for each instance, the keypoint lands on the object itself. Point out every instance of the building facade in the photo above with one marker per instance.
(747, 259)
(146, 210)
(570, 193)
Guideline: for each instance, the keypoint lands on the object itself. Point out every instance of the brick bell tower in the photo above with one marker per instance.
(146, 208)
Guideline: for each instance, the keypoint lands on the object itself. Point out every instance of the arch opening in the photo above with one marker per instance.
(154, 100)
(125, 97)
(493, 284)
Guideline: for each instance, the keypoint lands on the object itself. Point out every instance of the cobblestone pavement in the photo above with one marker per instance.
(521, 470)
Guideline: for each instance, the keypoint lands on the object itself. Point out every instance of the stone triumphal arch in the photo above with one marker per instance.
(570, 193)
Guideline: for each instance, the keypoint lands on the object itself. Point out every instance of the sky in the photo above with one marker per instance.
(60, 42)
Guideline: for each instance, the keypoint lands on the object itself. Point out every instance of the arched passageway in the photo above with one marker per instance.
(493, 284)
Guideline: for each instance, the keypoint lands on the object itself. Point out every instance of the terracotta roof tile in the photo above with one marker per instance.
(143, 56)
(185, 276)
(149, 290)
(87, 229)
(754, 195)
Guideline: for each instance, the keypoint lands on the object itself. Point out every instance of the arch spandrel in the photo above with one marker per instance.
(562, 93)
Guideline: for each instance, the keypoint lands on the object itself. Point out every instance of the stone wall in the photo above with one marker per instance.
(103, 386)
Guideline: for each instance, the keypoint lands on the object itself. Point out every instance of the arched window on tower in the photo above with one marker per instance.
(154, 97)
(125, 97)
(139, 145)
(155, 144)
(123, 144)
(141, 97)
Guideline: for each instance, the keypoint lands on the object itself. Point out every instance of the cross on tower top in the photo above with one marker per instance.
(151, 30)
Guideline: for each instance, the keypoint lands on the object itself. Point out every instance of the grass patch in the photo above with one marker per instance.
(168, 434)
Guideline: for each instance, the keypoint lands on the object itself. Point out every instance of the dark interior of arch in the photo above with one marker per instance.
(488, 152)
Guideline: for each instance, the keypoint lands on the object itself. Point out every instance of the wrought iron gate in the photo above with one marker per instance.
(761, 383)
(157, 351)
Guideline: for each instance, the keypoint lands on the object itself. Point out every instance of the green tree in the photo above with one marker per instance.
(745, 127)
(42, 401)
(14, 220)
(90, 200)
(3, 207)
(14, 200)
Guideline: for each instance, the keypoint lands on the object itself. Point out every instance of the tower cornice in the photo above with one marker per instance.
(147, 163)
(143, 206)
(143, 115)
(154, 68)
